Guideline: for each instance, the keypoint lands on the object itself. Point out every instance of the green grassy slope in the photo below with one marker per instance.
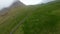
(8, 22)
(45, 19)
(42, 19)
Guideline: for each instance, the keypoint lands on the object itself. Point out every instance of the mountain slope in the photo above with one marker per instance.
(15, 4)
(42, 19)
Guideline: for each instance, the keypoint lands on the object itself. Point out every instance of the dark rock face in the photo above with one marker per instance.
(15, 4)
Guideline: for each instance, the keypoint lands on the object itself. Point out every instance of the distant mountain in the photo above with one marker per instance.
(15, 4)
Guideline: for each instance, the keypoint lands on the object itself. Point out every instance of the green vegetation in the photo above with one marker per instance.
(41, 19)
(13, 18)
(44, 20)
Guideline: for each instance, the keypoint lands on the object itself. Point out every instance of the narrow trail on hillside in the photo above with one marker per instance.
(16, 27)
(21, 22)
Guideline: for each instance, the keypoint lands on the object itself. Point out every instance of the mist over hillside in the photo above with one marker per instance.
(15, 4)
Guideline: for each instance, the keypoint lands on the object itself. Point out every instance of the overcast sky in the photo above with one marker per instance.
(6, 3)
(32, 2)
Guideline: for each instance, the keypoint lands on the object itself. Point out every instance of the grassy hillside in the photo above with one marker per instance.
(43, 19)
(40, 19)
(9, 21)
